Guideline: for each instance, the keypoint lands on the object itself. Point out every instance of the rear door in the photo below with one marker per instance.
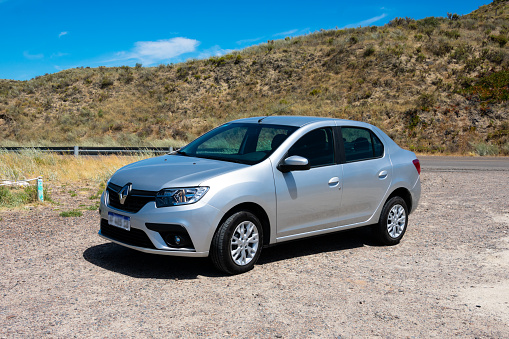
(367, 174)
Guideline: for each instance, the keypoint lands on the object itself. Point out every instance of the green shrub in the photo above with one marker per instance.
(439, 48)
(216, 61)
(15, 197)
(106, 82)
(454, 34)
(484, 149)
(315, 91)
(500, 39)
(370, 50)
(462, 52)
(425, 101)
(71, 213)
(491, 88)
(505, 148)
(496, 57)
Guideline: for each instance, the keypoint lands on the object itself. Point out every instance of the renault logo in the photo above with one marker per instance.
(124, 192)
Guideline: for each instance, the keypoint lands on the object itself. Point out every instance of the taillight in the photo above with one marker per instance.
(417, 165)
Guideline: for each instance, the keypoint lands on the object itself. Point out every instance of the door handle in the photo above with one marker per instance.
(382, 175)
(334, 182)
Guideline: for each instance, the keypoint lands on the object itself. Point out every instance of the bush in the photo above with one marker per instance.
(462, 52)
(500, 39)
(425, 101)
(492, 88)
(496, 57)
(315, 91)
(14, 197)
(353, 40)
(484, 149)
(370, 50)
(106, 82)
(454, 34)
(439, 48)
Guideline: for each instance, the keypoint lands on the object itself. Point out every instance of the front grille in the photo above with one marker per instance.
(134, 237)
(134, 201)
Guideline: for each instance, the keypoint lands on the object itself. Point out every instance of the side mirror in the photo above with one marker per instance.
(294, 163)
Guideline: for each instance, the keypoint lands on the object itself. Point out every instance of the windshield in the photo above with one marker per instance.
(239, 142)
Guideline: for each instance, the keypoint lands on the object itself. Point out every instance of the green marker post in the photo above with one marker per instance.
(40, 192)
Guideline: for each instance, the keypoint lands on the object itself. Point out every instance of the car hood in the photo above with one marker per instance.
(171, 171)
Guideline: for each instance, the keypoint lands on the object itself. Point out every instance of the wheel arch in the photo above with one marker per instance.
(404, 194)
(256, 210)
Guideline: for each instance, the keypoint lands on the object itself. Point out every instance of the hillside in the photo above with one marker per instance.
(434, 85)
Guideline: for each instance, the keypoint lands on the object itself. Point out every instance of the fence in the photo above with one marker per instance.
(82, 150)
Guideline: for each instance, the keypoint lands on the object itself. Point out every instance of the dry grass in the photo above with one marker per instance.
(62, 169)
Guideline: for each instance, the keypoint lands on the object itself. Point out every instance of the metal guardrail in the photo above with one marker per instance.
(84, 150)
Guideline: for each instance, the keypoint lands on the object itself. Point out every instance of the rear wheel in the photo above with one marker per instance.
(393, 221)
(237, 244)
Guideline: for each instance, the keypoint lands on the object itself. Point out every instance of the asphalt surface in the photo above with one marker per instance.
(454, 164)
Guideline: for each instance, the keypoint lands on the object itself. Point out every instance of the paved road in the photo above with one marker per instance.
(451, 163)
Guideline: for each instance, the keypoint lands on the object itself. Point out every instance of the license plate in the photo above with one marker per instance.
(120, 221)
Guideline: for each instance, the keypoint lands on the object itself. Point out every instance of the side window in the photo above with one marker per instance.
(317, 146)
(361, 144)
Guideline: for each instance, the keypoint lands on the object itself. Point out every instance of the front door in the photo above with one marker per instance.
(309, 200)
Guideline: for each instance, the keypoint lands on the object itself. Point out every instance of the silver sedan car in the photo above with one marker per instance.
(260, 181)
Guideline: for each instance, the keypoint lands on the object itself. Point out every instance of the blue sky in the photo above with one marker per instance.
(45, 36)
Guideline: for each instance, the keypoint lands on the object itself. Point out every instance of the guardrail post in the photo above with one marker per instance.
(40, 192)
(76, 151)
(171, 149)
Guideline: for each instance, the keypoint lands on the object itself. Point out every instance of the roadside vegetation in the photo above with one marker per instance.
(58, 171)
(13, 197)
(435, 85)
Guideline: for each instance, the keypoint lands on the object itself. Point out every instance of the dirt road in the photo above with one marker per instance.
(449, 277)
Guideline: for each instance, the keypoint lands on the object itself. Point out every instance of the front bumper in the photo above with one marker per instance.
(199, 221)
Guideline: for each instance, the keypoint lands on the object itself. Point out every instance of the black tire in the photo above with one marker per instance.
(223, 246)
(391, 227)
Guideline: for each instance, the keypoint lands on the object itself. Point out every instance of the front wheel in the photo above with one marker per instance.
(393, 221)
(237, 244)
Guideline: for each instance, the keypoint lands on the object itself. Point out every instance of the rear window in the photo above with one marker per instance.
(361, 144)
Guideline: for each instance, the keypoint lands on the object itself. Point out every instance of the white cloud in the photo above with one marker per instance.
(213, 51)
(32, 56)
(58, 55)
(290, 32)
(153, 52)
(62, 34)
(249, 41)
(367, 22)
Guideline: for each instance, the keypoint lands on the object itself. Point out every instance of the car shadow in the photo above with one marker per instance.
(122, 260)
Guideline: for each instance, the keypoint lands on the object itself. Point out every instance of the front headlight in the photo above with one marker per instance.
(179, 196)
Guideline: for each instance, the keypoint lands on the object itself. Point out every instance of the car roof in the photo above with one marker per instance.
(287, 120)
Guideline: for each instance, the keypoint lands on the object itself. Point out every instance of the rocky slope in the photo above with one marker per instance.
(434, 85)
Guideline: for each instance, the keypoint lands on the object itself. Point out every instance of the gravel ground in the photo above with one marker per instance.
(448, 277)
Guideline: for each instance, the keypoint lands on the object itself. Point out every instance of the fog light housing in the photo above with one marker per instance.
(177, 240)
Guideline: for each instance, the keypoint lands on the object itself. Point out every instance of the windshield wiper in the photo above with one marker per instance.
(181, 152)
